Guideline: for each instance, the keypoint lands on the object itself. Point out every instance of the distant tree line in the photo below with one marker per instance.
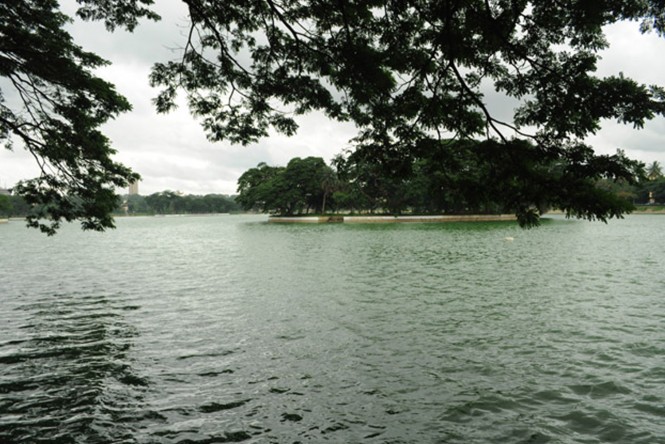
(651, 190)
(171, 202)
(13, 206)
(164, 202)
(363, 182)
(454, 177)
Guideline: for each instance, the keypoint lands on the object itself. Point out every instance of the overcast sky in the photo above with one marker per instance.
(171, 151)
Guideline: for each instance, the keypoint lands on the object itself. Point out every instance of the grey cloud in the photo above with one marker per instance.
(149, 43)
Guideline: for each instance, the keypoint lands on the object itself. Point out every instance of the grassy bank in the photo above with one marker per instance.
(646, 209)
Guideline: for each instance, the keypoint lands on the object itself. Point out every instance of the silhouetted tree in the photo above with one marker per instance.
(408, 74)
(654, 170)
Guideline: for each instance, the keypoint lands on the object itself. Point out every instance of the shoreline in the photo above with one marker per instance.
(392, 219)
(368, 219)
(647, 212)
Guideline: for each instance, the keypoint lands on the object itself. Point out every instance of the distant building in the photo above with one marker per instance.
(133, 188)
(5, 192)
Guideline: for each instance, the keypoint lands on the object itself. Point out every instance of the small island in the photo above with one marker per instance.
(454, 181)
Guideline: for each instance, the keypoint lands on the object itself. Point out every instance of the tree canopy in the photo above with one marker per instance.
(654, 171)
(303, 185)
(452, 177)
(408, 74)
(56, 108)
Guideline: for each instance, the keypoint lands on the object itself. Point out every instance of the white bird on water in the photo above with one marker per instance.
(510, 238)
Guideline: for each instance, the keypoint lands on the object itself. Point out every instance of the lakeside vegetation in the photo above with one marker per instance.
(362, 184)
(456, 177)
(650, 209)
(172, 202)
(406, 77)
(163, 202)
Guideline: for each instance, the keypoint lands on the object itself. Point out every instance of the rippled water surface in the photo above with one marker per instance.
(227, 329)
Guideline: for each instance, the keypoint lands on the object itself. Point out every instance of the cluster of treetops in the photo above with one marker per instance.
(452, 177)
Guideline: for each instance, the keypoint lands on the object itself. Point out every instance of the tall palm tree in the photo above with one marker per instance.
(654, 170)
(329, 184)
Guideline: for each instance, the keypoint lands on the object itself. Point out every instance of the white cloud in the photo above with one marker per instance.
(637, 56)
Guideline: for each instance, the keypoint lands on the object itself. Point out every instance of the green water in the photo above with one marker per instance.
(228, 329)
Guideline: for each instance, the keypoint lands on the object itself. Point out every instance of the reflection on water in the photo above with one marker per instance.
(226, 329)
(66, 374)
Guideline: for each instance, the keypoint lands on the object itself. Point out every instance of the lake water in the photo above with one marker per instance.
(228, 329)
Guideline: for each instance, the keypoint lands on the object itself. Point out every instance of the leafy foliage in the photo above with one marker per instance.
(14, 206)
(410, 75)
(654, 171)
(56, 109)
(457, 177)
(6, 206)
(116, 13)
(303, 185)
(403, 69)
